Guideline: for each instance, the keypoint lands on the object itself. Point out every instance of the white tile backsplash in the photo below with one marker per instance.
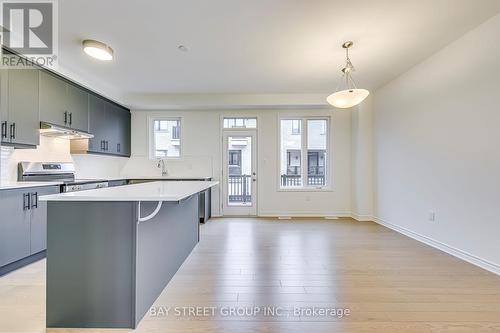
(5, 155)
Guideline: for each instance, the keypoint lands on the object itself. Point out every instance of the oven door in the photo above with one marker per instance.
(83, 187)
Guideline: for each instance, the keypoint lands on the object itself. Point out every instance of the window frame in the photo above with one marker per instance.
(236, 128)
(151, 141)
(328, 187)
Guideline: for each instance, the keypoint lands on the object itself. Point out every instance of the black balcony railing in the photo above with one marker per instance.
(239, 188)
(317, 170)
(296, 180)
(292, 170)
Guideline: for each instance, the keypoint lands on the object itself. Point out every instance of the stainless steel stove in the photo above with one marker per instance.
(57, 172)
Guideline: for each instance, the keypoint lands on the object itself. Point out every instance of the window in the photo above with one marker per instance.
(295, 126)
(166, 138)
(308, 148)
(234, 162)
(240, 122)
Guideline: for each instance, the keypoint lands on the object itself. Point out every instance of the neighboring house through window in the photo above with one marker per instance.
(165, 137)
(307, 147)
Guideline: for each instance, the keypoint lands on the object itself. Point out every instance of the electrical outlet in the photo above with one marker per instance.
(432, 216)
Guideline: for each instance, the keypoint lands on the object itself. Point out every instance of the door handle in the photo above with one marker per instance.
(4, 129)
(26, 201)
(13, 130)
(65, 117)
(70, 118)
(34, 200)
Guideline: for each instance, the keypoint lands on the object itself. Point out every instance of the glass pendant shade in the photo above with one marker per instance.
(348, 95)
(347, 98)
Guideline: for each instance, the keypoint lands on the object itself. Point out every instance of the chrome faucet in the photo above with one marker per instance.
(163, 165)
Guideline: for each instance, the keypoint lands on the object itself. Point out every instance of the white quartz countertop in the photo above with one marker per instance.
(16, 185)
(153, 191)
(157, 177)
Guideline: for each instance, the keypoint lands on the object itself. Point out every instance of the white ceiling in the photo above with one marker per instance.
(257, 46)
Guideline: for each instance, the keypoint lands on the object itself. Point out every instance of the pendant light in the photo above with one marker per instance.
(350, 96)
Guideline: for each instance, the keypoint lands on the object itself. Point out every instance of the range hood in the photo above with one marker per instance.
(55, 131)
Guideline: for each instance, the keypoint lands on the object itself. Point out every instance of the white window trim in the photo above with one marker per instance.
(151, 148)
(230, 115)
(328, 187)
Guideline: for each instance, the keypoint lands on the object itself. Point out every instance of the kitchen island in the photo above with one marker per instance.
(111, 251)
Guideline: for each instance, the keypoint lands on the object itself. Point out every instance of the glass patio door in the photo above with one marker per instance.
(239, 173)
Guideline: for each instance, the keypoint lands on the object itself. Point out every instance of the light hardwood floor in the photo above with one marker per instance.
(389, 283)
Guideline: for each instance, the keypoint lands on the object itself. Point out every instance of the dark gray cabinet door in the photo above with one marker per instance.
(78, 108)
(110, 125)
(14, 226)
(118, 120)
(4, 107)
(38, 220)
(24, 118)
(97, 123)
(53, 93)
(112, 128)
(125, 133)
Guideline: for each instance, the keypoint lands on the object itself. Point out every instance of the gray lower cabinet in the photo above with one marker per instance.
(20, 119)
(62, 103)
(23, 226)
(38, 218)
(14, 226)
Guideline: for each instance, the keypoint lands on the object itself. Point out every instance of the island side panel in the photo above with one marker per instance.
(91, 264)
(163, 243)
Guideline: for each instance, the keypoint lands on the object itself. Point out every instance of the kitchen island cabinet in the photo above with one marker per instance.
(111, 251)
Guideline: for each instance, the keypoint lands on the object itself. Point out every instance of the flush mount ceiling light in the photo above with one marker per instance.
(349, 96)
(97, 50)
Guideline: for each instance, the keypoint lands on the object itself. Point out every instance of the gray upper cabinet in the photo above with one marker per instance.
(125, 133)
(53, 100)
(23, 107)
(4, 106)
(62, 103)
(15, 226)
(78, 108)
(19, 116)
(97, 126)
(110, 125)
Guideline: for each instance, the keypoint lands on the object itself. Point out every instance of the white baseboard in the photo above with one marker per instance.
(304, 214)
(362, 218)
(470, 258)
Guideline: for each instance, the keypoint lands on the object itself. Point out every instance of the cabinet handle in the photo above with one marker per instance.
(13, 130)
(4, 129)
(118, 148)
(65, 117)
(70, 118)
(34, 200)
(26, 201)
(106, 145)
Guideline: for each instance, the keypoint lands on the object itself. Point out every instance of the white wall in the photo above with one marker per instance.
(362, 161)
(58, 150)
(437, 143)
(202, 143)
